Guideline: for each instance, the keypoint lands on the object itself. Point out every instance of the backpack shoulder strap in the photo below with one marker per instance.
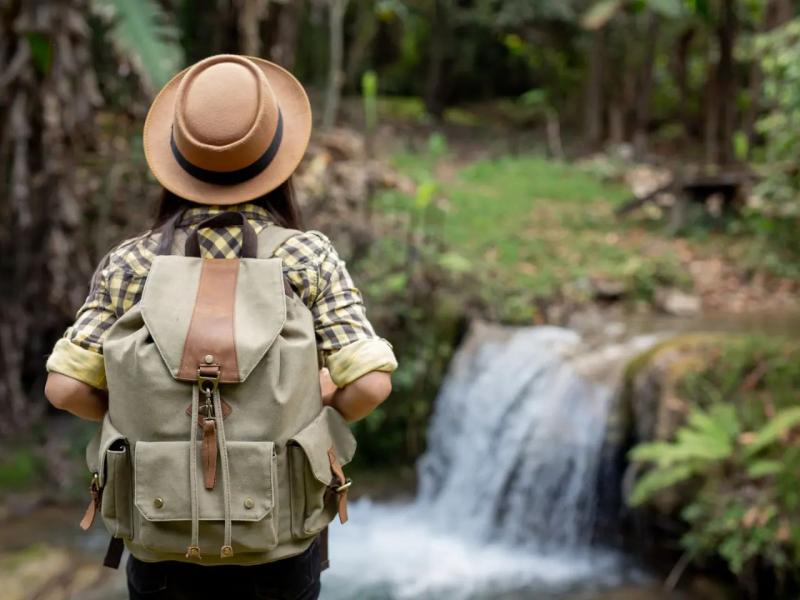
(272, 237)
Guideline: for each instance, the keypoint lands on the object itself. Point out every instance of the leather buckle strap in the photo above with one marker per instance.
(96, 496)
(342, 485)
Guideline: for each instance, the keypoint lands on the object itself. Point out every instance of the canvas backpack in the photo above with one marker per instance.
(216, 447)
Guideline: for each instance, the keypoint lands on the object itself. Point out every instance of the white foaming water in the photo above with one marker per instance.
(507, 487)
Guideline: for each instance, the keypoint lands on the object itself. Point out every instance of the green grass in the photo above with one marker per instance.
(530, 228)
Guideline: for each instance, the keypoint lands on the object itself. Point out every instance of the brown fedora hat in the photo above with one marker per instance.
(227, 129)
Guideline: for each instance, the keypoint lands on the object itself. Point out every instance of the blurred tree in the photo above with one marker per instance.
(284, 25)
(336, 11)
(48, 99)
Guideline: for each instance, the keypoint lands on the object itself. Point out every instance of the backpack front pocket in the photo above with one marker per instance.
(313, 499)
(163, 497)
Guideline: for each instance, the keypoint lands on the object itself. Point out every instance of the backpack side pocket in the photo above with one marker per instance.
(117, 502)
(313, 499)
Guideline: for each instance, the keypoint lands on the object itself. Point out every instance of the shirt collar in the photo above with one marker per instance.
(252, 211)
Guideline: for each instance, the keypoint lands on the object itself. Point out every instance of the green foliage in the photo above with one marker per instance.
(780, 62)
(144, 35)
(42, 51)
(19, 469)
(369, 92)
(736, 458)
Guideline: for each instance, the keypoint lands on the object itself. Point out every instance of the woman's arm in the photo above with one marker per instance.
(360, 397)
(81, 399)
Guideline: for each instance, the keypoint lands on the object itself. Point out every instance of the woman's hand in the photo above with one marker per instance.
(360, 397)
(327, 386)
(81, 399)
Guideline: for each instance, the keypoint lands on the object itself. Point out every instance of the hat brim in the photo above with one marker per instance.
(296, 112)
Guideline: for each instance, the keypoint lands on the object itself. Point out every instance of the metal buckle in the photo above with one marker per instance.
(202, 380)
(348, 482)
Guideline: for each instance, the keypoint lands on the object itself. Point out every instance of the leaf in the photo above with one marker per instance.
(425, 194)
(672, 9)
(142, 32)
(41, 50)
(764, 468)
(455, 263)
(657, 480)
(774, 430)
(700, 7)
(599, 15)
(741, 145)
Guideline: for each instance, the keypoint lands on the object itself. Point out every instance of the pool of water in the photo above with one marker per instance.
(400, 552)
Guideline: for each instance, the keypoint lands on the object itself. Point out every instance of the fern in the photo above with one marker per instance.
(708, 438)
(657, 480)
(143, 34)
(774, 429)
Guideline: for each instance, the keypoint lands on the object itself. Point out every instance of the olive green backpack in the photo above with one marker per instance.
(216, 448)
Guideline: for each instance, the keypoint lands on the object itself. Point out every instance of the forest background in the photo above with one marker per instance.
(470, 160)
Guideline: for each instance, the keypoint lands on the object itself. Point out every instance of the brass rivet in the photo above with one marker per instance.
(158, 502)
(249, 503)
(209, 359)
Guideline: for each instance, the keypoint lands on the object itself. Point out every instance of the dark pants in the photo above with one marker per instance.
(295, 578)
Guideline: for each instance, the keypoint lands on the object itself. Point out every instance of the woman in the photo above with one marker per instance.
(226, 135)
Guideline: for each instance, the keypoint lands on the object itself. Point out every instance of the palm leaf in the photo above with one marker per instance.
(142, 33)
(600, 13)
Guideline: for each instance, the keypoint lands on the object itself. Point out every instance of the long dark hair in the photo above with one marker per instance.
(280, 204)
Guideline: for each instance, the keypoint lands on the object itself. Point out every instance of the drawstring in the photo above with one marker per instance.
(193, 551)
(227, 550)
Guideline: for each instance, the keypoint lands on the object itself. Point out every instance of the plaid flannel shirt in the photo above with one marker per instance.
(345, 338)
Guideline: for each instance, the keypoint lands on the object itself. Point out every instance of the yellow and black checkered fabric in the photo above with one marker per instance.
(310, 264)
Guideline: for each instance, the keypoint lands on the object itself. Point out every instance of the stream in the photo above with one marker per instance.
(507, 489)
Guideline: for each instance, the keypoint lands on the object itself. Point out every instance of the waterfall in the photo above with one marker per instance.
(508, 484)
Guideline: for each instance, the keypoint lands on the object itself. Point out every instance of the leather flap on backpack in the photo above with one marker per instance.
(248, 317)
(162, 490)
(327, 430)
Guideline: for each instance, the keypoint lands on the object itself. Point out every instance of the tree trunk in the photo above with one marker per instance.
(366, 28)
(336, 49)
(283, 49)
(726, 81)
(642, 108)
(250, 15)
(681, 75)
(593, 99)
(439, 48)
(48, 97)
(711, 125)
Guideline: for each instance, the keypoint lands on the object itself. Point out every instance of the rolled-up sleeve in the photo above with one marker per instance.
(79, 354)
(359, 358)
(70, 359)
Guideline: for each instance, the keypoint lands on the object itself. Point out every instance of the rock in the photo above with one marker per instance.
(29, 573)
(53, 573)
(608, 289)
(654, 403)
(675, 302)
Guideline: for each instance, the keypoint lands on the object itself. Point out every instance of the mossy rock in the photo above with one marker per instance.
(652, 381)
